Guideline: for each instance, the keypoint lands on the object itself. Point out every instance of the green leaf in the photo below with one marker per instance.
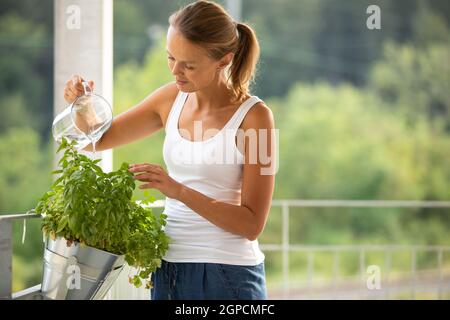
(62, 146)
(137, 281)
(62, 224)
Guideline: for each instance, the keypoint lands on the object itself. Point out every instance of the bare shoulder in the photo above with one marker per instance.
(162, 99)
(259, 116)
(165, 92)
(258, 119)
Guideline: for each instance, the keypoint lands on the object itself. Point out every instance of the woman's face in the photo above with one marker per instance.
(192, 67)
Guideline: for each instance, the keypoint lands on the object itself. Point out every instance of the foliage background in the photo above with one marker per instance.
(363, 114)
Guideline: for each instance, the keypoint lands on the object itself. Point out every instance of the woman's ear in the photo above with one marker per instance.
(226, 60)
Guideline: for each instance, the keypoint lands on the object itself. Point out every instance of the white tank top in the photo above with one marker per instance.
(212, 167)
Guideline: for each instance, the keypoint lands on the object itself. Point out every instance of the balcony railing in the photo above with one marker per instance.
(359, 287)
(438, 281)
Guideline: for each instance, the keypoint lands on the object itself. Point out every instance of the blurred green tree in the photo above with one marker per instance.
(132, 83)
(25, 166)
(346, 143)
(25, 169)
(26, 68)
(416, 81)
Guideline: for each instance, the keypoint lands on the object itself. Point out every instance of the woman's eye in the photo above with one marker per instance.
(187, 67)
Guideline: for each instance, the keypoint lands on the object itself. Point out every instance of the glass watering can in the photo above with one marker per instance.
(85, 120)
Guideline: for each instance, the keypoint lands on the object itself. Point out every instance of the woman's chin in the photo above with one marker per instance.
(185, 88)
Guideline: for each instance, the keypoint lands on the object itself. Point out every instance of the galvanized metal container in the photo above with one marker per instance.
(78, 272)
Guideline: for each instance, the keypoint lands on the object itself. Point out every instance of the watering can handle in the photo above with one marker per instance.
(87, 88)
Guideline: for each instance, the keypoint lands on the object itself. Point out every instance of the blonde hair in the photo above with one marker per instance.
(208, 25)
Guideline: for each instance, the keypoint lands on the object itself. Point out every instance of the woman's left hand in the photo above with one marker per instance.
(156, 178)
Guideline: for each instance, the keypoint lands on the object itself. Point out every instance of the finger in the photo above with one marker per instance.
(146, 177)
(139, 164)
(78, 87)
(91, 84)
(148, 170)
(142, 177)
(69, 97)
(77, 84)
(76, 79)
(150, 185)
(145, 168)
(74, 91)
(72, 87)
(137, 169)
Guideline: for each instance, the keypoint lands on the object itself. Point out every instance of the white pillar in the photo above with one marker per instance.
(84, 46)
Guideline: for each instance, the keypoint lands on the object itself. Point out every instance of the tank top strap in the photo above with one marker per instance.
(174, 114)
(240, 114)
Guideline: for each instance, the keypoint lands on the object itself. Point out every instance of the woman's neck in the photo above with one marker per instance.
(215, 96)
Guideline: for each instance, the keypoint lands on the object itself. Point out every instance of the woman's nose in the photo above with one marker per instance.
(176, 69)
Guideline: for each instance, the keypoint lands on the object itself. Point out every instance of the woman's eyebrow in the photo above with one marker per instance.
(181, 61)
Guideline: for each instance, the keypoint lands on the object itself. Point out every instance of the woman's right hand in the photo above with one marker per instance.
(74, 88)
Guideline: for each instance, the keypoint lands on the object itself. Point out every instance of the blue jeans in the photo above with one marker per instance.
(208, 281)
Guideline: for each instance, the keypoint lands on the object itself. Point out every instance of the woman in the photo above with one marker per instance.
(218, 195)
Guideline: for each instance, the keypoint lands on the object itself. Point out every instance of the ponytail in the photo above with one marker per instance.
(245, 60)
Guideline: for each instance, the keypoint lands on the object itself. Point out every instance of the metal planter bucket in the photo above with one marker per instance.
(78, 272)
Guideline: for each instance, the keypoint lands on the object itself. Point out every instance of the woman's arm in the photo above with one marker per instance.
(247, 219)
(140, 121)
(143, 120)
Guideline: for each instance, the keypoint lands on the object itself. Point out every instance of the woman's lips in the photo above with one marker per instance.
(181, 82)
